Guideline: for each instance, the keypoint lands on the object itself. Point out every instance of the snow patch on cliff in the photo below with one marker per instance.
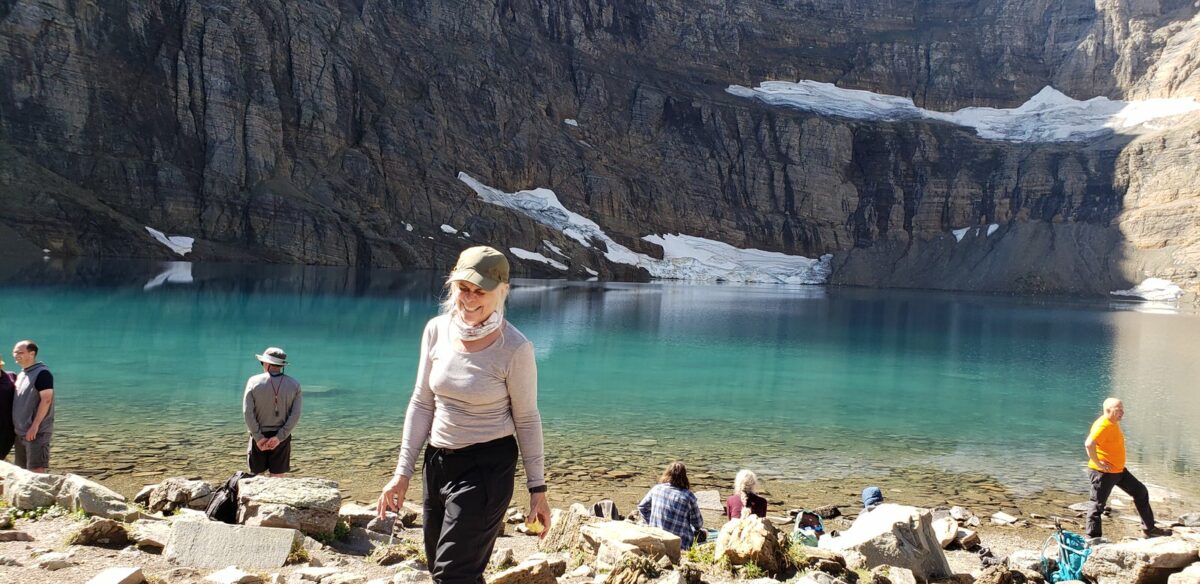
(1049, 116)
(537, 257)
(684, 257)
(1153, 289)
(177, 243)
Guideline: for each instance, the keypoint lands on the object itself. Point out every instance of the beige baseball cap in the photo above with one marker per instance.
(482, 266)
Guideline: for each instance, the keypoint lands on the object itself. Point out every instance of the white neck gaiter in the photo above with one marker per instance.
(468, 332)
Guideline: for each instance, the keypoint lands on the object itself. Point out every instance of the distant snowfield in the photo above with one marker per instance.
(1049, 116)
(685, 257)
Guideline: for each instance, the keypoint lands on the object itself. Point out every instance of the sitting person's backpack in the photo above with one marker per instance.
(808, 528)
(224, 504)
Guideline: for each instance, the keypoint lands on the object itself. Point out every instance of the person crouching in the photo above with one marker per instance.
(271, 406)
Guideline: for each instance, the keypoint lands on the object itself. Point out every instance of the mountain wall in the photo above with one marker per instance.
(331, 132)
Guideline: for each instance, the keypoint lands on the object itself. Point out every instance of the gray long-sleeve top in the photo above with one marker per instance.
(465, 398)
(266, 412)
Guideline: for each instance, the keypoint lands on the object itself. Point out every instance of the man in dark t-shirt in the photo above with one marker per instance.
(33, 409)
(8, 436)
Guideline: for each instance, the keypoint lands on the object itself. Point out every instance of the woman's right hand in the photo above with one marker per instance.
(392, 496)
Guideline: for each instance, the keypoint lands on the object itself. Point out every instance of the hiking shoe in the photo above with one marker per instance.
(1094, 541)
(1157, 532)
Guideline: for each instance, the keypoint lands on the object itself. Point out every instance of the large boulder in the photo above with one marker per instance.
(1189, 575)
(751, 539)
(29, 490)
(308, 504)
(653, 542)
(211, 544)
(80, 494)
(896, 535)
(178, 492)
(1142, 561)
(564, 533)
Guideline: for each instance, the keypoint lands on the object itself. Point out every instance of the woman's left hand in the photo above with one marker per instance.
(539, 510)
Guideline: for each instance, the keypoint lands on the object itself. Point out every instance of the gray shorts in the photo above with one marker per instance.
(33, 454)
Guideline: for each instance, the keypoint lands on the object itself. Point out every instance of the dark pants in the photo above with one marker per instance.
(8, 437)
(467, 492)
(1102, 486)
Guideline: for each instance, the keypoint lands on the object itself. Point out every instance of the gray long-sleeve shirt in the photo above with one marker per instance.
(464, 398)
(267, 412)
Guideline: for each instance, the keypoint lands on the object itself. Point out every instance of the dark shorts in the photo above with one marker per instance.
(277, 461)
(33, 454)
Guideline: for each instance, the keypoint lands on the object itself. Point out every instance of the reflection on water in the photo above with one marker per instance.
(804, 383)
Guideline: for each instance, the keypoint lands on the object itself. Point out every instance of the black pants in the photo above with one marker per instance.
(1102, 486)
(8, 437)
(467, 492)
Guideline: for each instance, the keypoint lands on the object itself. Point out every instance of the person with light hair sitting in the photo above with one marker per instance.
(744, 501)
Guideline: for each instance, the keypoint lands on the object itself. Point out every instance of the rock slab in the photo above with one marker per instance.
(118, 575)
(308, 504)
(653, 542)
(217, 545)
(895, 535)
(536, 571)
(1138, 562)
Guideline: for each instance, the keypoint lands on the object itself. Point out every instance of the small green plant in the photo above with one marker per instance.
(79, 515)
(298, 555)
(37, 513)
(340, 530)
(751, 571)
(724, 565)
(864, 575)
(386, 555)
(579, 558)
(797, 555)
(703, 554)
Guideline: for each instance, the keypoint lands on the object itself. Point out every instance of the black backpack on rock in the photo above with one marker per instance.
(224, 504)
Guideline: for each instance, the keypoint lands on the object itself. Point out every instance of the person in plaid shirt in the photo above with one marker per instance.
(671, 506)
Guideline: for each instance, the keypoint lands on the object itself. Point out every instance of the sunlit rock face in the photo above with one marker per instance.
(334, 133)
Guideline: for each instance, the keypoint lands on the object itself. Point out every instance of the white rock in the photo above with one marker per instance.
(1189, 575)
(1002, 518)
(232, 575)
(895, 535)
(79, 494)
(316, 574)
(54, 561)
(960, 513)
(118, 576)
(583, 571)
(527, 572)
(946, 531)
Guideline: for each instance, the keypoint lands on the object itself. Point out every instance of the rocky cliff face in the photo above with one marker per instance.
(332, 132)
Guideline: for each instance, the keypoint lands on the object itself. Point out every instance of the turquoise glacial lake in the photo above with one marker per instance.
(802, 383)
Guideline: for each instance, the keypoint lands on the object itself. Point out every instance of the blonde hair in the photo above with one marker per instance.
(744, 483)
(449, 304)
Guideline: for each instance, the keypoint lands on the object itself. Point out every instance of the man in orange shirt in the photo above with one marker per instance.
(1105, 447)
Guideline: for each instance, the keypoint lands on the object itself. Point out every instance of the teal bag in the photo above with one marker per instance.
(808, 528)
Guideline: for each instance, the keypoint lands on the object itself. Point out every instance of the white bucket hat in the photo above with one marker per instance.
(273, 356)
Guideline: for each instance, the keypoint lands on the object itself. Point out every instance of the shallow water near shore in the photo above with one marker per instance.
(943, 394)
